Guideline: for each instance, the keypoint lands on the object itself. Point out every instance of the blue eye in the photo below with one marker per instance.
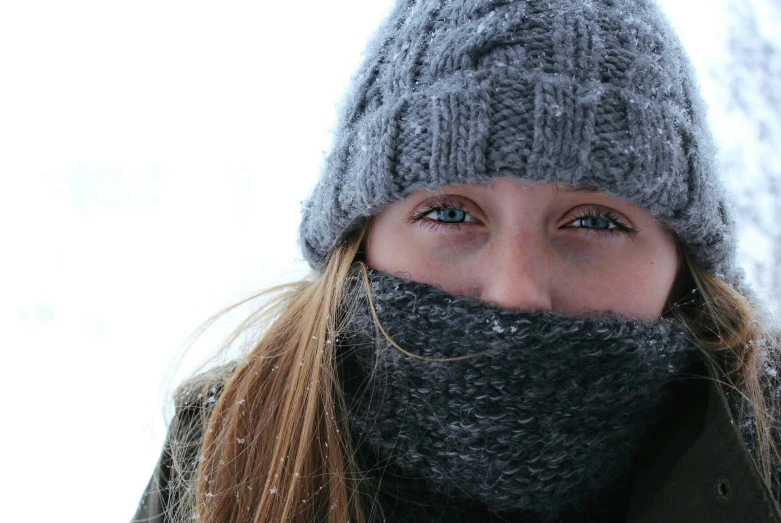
(593, 222)
(449, 215)
(443, 213)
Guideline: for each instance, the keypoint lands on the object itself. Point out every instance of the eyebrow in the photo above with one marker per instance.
(578, 189)
(558, 187)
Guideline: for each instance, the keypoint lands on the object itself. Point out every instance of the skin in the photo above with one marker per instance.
(529, 246)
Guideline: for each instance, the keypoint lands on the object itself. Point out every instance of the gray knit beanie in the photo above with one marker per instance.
(583, 92)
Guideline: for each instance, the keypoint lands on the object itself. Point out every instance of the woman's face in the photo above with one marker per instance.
(529, 246)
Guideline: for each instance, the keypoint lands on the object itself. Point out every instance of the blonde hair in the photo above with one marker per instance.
(728, 329)
(275, 446)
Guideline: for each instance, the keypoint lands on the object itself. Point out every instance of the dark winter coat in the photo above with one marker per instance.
(695, 469)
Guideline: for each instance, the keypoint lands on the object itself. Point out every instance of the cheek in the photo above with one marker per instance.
(421, 261)
(636, 282)
(383, 250)
(658, 280)
(413, 252)
(391, 246)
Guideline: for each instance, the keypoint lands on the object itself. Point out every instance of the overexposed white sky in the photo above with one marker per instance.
(153, 157)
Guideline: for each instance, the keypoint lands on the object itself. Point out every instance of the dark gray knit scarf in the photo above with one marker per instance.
(549, 412)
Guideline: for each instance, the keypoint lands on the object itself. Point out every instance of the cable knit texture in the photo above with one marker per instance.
(547, 417)
(582, 92)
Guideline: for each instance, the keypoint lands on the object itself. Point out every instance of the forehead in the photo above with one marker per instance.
(555, 186)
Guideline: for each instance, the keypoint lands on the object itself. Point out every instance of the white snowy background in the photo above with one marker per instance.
(153, 157)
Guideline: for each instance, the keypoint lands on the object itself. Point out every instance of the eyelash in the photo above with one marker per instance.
(621, 227)
(418, 218)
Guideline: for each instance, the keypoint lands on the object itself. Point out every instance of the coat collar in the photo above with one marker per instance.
(696, 467)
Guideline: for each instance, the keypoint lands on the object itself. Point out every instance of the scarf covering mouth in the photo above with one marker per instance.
(548, 413)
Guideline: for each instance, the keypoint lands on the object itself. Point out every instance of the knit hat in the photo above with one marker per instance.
(583, 92)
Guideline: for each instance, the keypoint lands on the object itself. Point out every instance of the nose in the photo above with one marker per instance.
(518, 275)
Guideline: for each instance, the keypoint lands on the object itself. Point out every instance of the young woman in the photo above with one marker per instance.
(525, 303)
